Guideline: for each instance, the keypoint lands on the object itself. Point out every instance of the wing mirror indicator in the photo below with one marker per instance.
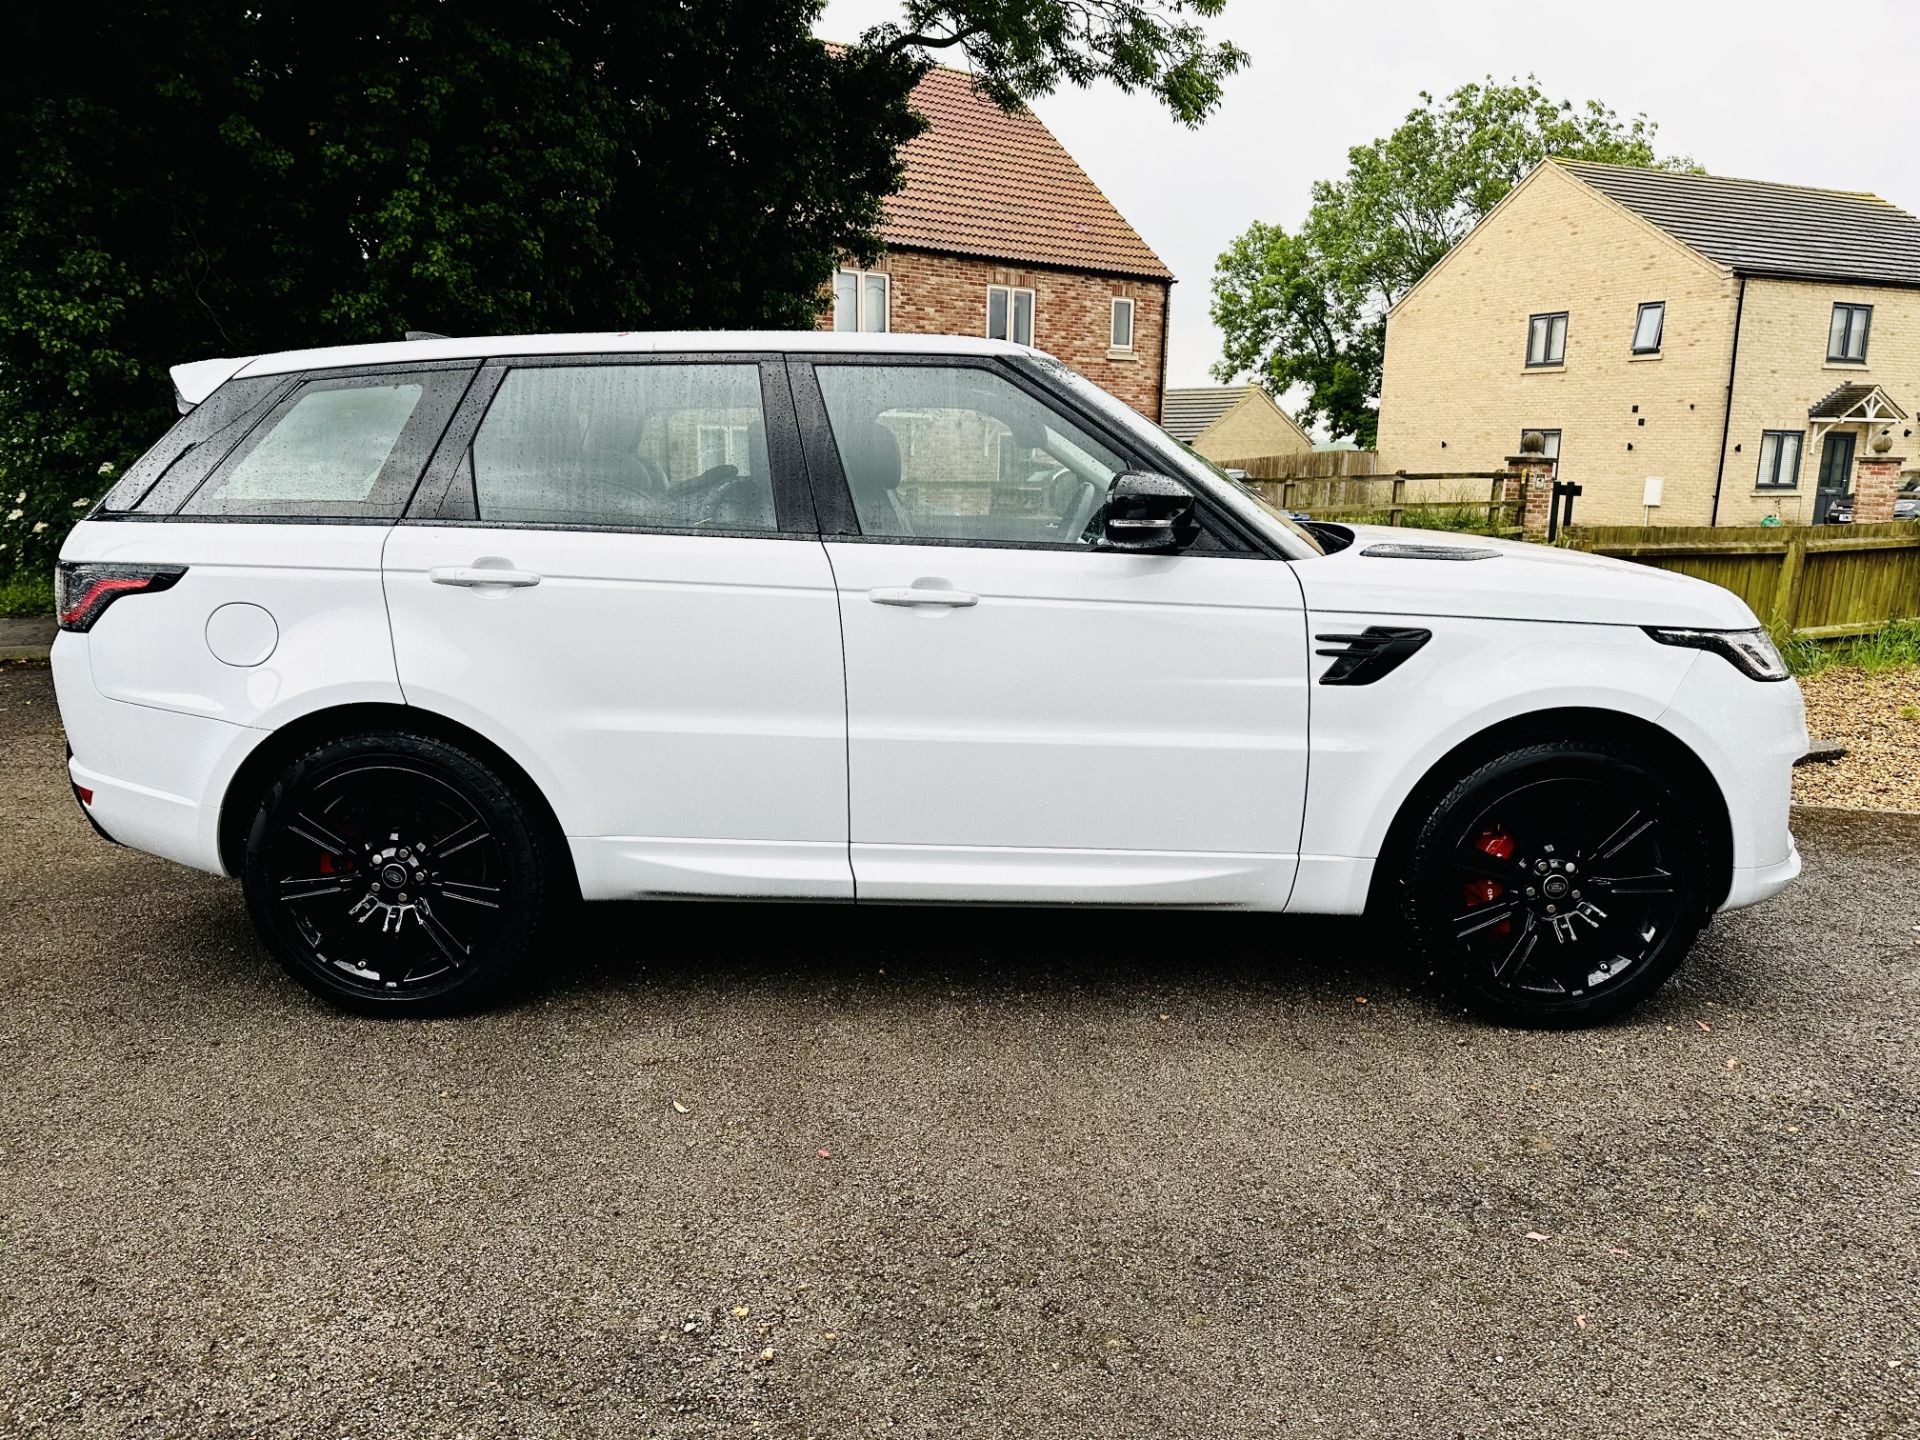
(1147, 513)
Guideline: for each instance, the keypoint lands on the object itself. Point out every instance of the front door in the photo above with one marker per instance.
(1031, 718)
(1836, 472)
(614, 575)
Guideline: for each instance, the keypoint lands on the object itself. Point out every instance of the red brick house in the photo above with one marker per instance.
(1000, 233)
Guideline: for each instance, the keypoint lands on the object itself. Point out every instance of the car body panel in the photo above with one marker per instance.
(1086, 721)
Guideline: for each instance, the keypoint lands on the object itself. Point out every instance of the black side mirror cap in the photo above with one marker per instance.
(1147, 513)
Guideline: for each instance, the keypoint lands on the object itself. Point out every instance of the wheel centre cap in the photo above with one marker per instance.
(1555, 887)
(394, 876)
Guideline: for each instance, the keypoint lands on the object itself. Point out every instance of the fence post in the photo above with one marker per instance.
(1786, 594)
(1399, 497)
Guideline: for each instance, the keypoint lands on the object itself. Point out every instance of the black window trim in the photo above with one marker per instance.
(399, 478)
(1659, 334)
(156, 500)
(1799, 457)
(1549, 316)
(446, 494)
(833, 498)
(1855, 311)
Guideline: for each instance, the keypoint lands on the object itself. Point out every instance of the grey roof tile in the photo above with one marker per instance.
(1756, 227)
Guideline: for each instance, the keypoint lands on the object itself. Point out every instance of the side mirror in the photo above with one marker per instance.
(1148, 513)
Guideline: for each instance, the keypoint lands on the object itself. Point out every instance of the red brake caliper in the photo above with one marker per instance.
(1499, 844)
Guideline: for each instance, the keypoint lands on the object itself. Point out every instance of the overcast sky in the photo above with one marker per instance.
(1767, 89)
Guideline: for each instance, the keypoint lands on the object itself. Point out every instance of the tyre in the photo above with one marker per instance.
(394, 873)
(1557, 885)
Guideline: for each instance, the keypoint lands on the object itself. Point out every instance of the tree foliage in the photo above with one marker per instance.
(188, 178)
(1307, 308)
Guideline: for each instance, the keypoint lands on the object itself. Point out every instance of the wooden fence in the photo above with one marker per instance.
(1820, 582)
(1475, 498)
(1316, 465)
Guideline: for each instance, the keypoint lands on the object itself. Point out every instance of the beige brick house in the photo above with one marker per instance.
(998, 232)
(1742, 344)
(1232, 422)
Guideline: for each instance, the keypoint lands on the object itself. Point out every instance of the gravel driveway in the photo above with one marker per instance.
(766, 1171)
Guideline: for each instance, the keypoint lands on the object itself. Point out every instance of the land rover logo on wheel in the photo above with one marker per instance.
(1564, 929)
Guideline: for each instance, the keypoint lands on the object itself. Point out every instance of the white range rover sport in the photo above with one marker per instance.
(422, 640)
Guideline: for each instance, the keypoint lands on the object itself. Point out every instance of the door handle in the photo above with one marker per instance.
(473, 576)
(915, 595)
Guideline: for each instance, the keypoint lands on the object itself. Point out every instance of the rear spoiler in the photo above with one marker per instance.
(194, 382)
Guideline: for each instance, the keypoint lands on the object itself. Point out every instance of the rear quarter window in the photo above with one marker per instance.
(338, 447)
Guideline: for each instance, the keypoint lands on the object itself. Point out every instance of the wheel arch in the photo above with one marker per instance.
(1661, 747)
(272, 755)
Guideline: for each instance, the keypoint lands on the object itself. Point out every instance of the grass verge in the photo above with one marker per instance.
(1896, 647)
(22, 594)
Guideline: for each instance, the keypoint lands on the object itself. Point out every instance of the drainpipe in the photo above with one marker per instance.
(1726, 420)
(1166, 324)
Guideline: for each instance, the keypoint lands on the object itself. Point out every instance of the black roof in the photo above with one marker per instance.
(1756, 227)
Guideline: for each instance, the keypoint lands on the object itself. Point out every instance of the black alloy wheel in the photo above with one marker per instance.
(1557, 885)
(395, 873)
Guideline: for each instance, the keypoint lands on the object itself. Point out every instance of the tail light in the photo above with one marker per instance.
(82, 593)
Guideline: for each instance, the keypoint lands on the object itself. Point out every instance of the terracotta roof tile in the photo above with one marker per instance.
(983, 182)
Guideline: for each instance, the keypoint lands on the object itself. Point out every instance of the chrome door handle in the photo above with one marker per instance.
(914, 595)
(471, 576)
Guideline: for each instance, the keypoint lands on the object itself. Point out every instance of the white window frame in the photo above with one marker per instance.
(860, 278)
(1113, 319)
(1033, 313)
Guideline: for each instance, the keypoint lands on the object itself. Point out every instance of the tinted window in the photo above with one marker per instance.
(663, 447)
(196, 443)
(344, 447)
(961, 453)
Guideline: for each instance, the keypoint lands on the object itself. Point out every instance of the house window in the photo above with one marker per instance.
(1779, 460)
(721, 445)
(1547, 339)
(1552, 447)
(1847, 336)
(1010, 314)
(1646, 329)
(1120, 336)
(860, 300)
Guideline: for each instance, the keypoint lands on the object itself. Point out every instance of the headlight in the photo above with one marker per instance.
(1750, 650)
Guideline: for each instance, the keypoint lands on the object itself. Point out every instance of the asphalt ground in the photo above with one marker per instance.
(814, 1172)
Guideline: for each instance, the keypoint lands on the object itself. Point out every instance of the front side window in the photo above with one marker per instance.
(1847, 335)
(1121, 337)
(649, 447)
(1547, 339)
(860, 301)
(336, 448)
(959, 453)
(1010, 314)
(1779, 460)
(1646, 329)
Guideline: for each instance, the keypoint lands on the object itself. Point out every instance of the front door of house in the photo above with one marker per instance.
(1836, 472)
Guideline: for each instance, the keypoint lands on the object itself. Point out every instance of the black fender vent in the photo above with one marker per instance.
(1403, 550)
(1364, 658)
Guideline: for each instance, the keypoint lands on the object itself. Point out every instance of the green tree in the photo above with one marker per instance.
(185, 178)
(1307, 308)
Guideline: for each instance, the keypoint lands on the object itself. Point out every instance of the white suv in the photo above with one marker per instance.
(421, 639)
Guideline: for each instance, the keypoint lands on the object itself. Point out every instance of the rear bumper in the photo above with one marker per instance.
(157, 776)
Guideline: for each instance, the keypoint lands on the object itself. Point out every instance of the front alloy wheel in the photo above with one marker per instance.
(394, 873)
(1556, 885)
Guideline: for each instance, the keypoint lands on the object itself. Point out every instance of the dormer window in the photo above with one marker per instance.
(1547, 339)
(1847, 336)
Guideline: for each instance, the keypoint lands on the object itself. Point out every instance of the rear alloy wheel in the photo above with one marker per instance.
(1557, 885)
(395, 873)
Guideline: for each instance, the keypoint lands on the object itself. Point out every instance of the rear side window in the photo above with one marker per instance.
(342, 447)
(649, 447)
(198, 441)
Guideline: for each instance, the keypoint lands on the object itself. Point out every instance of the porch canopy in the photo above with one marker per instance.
(1854, 405)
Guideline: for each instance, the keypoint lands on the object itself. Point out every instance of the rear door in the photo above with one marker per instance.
(1032, 718)
(613, 571)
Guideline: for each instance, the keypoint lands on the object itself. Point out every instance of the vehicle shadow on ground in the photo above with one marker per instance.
(1083, 950)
